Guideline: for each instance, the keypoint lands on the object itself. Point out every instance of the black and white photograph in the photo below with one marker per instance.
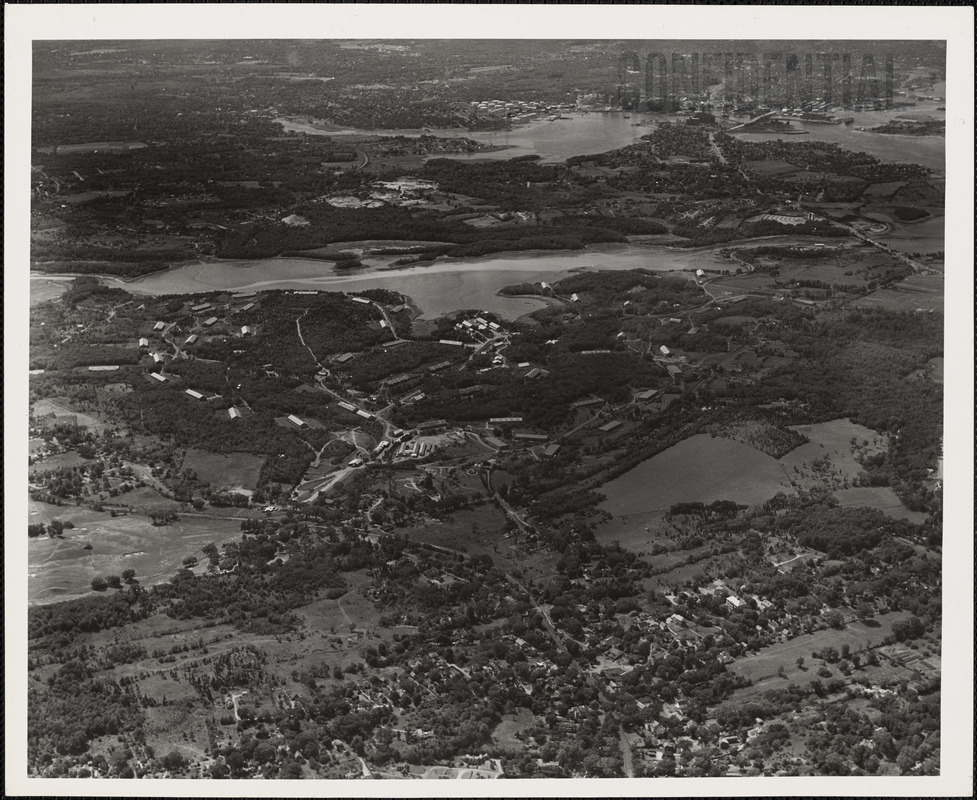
(578, 395)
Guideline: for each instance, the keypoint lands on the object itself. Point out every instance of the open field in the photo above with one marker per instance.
(830, 455)
(701, 468)
(473, 531)
(826, 273)
(58, 461)
(63, 568)
(43, 290)
(739, 284)
(771, 166)
(46, 407)
(505, 731)
(235, 469)
(915, 292)
(880, 497)
(764, 666)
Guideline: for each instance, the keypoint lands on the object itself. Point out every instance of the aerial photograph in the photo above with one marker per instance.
(416, 409)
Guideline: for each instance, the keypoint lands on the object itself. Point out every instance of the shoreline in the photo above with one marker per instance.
(369, 272)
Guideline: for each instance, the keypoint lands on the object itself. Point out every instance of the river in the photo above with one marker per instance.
(586, 133)
(928, 151)
(583, 133)
(440, 288)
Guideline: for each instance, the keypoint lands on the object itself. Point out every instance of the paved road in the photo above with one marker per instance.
(626, 754)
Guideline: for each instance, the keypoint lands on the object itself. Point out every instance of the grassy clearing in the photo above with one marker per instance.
(764, 666)
(639, 533)
(739, 284)
(471, 530)
(771, 166)
(915, 292)
(828, 273)
(58, 461)
(234, 469)
(44, 290)
(880, 497)
(832, 441)
(43, 408)
(63, 568)
(505, 732)
(701, 468)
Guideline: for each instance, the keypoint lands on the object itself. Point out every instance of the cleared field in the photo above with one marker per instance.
(735, 321)
(505, 732)
(832, 441)
(763, 667)
(234, 469)
(58, 461)
(740, 284)
(63, 568)
(917, 291)
(701, 468)
(880, 497)
(43, 408)
(43, 289)
(473, 531)
(771, 166)
(828, 273)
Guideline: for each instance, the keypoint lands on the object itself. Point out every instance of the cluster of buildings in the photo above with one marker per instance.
(518, 110)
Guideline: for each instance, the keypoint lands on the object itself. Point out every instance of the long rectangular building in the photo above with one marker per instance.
(431, 424)
(590, 401)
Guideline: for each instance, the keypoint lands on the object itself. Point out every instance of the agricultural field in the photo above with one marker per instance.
(236, 470)
(61, 568)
